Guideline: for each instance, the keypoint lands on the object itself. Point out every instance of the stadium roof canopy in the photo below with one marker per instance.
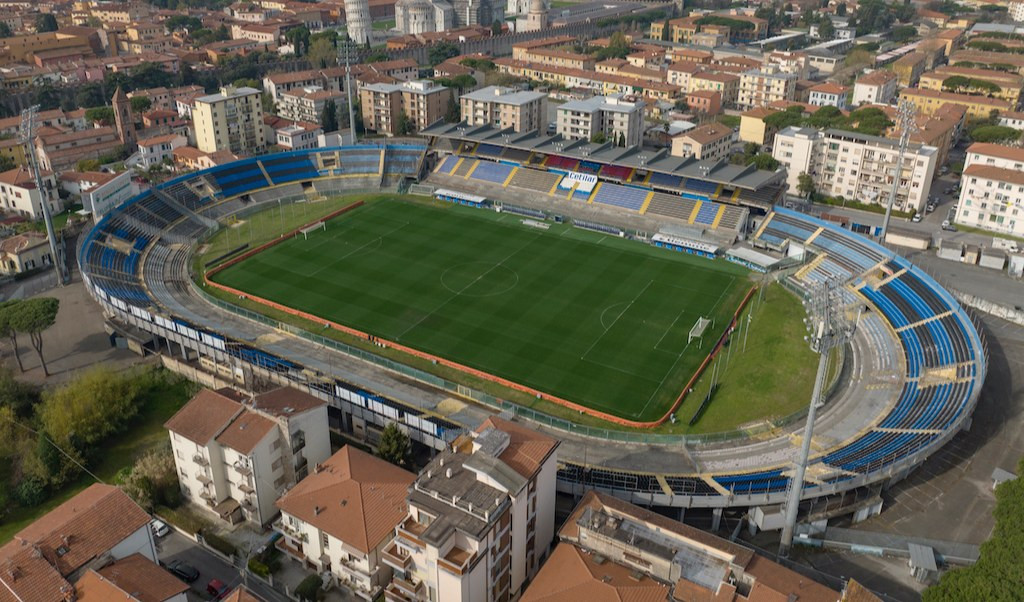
(660, 161)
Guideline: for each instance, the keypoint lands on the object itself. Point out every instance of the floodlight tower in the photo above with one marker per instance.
(346, 48)
(906, 125)
(28, 126)
(829, 329)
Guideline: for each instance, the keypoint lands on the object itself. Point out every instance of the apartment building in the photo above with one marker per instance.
(58, 150)
(153, 151)
(727, 84)
(875, 88)
(236, 455)
(930, 101)
(307, 103)
(760, 87)
(787, 61)
(618, 117)
(481, 518)
(829, 94)
(20, 196)
(230, 120)
(503, 108)
(709, 142)
(342, 516)
(679, 74)
(291, 135)
(422, 101)
(24, 252)
(99, 191)
(1008, 85)
(45, 559)
(856, 166)
(908, 68)
(753, 127)
(992, 189)
(708, 102)
(612, 550)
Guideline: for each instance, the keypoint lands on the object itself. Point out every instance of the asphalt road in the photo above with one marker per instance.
(175, 546)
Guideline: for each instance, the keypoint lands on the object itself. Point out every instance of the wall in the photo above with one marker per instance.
(1000, 311)
(141, 542)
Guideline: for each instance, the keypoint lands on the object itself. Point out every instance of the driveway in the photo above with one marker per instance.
(175, 546)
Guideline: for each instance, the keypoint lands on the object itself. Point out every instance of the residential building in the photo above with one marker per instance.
(504, 108)
(759, 87)
(19, 194)
(423, 102)
(753, 127)
(710, 142)
(679, 74)
(1016, 11)
(982, 57)
(1009, 85)
(15, 149)
(24, 252)
(856, 166)
(908, 68)
(726, 84)
(1012, 119)
(794, 62)
(481, 518)
(291, 135)
(58, 150)
(236, 455)
(992, 189)
(829, 94)
(683, 30)
(44, 559)
(341, 517)
(708, 102)
(155, 150)
(307, 103)
(133, 578)
(190, 158)
(231, 120)
(618, 118)
(929, 101)
(875, 88)
(942, 129)
(612, 550)
(100, 191)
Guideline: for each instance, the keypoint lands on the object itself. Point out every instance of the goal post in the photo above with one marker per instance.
(697, 331)
(311, 228)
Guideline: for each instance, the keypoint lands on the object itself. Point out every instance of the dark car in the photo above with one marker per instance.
(184, 571)
(217, 589)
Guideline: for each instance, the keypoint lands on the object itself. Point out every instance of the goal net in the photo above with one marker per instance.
(697, 331)
(313, 228)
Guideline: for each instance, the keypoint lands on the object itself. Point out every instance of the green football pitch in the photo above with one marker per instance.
(584, 316)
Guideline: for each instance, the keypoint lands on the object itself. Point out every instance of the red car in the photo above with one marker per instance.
(217, 589)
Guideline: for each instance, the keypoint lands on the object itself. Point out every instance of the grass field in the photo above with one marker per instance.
(588, 318)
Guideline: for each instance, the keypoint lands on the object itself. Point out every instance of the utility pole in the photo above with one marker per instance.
(906, 125)
(28, 127)
(829, 329)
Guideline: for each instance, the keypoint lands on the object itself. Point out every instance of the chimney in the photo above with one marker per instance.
(448, 473)
(316, 510)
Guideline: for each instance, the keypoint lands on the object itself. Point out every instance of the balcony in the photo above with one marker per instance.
(300, 463)
(395, 557)
(456, 561)
(412, 531)
(290, 531)
(242, 469)
(245, 487)
(203, 478)
(393, 594)
(406, 588)
(298, 441)
(201, 460)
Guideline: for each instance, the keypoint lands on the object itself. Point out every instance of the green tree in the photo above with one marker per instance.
(7, 312)
(308, 589)
(826, 29)
(764, 161)
(330, 35)
(805, 185)
(5, 30)
(452, 114)
(298, 37)
(20, 397)
(329, 117)
(841, 9)
(140, 104)
(394, 445)
(599, 138)
(903, 33)
(179, 22)
(153, 480)
(89, 95)
(404, 125)
(7, 163)
(618, 47)
(666, 31)
(441, 52)
(45, 23)
(995, 133)
(34, 317)
(322, 54)
(377, 57)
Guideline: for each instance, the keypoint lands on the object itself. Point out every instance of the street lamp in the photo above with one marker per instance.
(829, 328)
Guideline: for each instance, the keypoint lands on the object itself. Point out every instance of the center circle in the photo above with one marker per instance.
(479, 279)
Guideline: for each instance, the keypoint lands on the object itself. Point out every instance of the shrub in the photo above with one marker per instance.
(258, 568)
(308, 589)
(30, 492)
(220, 544)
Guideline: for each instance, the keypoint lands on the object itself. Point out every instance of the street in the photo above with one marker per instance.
(175, 546)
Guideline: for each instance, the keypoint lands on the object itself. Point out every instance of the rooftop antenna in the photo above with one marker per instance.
(28, 127)
(829, 329)
(905, 123)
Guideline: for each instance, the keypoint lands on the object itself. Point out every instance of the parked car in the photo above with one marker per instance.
(916, 218)
(929, 207)
(184, 571)
(217, 589)
(159, 527)
(948, 225)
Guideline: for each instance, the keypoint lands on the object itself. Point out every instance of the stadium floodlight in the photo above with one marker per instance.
(827, 330)
(905, 124)
(27, 133)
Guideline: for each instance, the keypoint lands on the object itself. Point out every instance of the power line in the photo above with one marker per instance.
(59, 448)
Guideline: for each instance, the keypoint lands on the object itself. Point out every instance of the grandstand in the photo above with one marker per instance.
(134, 262)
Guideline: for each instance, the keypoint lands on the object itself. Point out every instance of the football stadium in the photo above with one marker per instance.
(596, 292)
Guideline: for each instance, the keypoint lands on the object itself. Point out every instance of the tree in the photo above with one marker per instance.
(140, 104)
(394, 445)
(377, 57)
(805, 185)
(89, 95)
(298, 37)
(666, 31)
(841, 9)
(308, 588)
(764, 161)
(496, 28)
(441, 52)
(329, 117)
(826, 29)
(153, 480)
(5, 30)
(452, 114)
(599, 138)
(322, 54)
(994, 133)
(7, 163)
(7, 311)
(46, 23)
(618, 47)
(35, 316)
(178, 22)
(404, 126)
(330, 35)
(20, 397)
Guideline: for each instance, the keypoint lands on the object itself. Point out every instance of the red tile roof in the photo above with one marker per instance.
(142, 578)
(527, 449)
(204, 416)
(245, 432)
(571, 574)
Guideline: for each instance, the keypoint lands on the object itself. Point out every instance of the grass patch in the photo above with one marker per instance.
(732, 121)
(384, 25)
(976, 230)
(184, 517)
(561, 3)
(146, 433)
(870, 208)
(561, 311)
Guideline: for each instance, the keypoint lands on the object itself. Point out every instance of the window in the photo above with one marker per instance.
(324, 540)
